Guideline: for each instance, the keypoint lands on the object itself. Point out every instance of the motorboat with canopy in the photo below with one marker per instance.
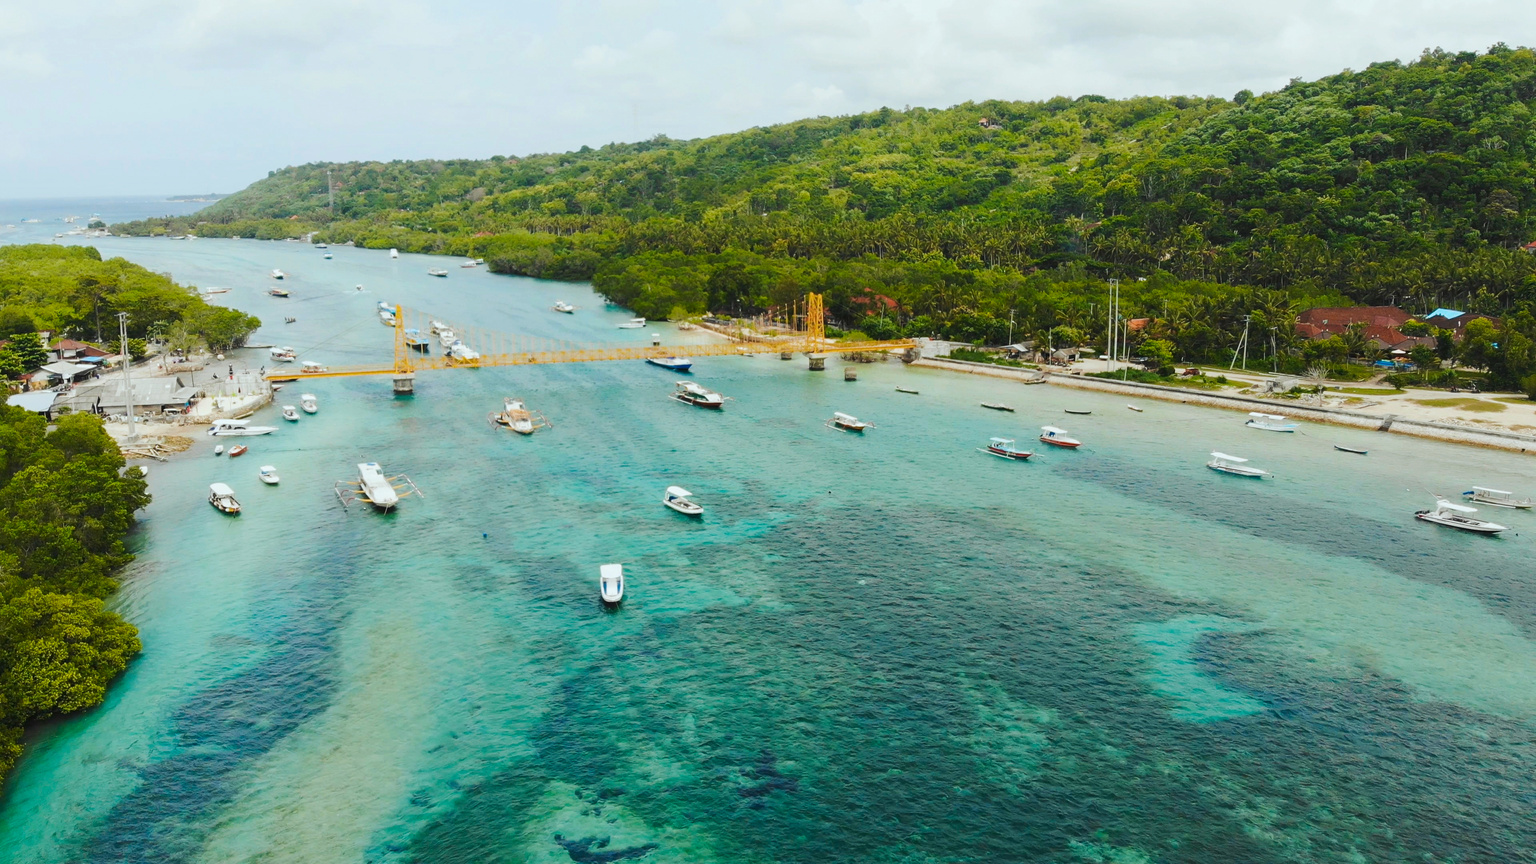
(223, 499)
(847, 422)
(610, 583)
(681, 500)
(1058, 438)
(1458, 516)
(695, 394)
(1496, 498)
(1005, 448)
(1235, 465)
(1269, 422)
(238, 427)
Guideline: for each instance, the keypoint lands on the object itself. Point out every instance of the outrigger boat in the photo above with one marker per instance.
(223, 499)
(283, 355)
(309, 403)
(1234, 465)
(997, 406)
(676, 364)
(290, 413)
(1496, 498)
(1269, 422)
(372, 487)
(694, 394)
(562, 306)
(1005, 448)
(610, 584)
(415, 341)
(277, 292)
(1458, 516)
(632, 324)
(680, 499)
(847, 422)
(1058, 437)
(238, 427)
(515, 415)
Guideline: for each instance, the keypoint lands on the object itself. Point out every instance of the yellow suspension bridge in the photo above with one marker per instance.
(795, 329)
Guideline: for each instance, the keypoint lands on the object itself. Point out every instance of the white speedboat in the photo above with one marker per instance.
(1004, 448)
(1496, 498)
(693, 394)
(1269, 422)
(1058, 438)
(284, 354)
(394, 253)
(676, 364)
(268, 475)
(632, 324)
(1234, 465)
(218, 450)
(462, 353)
(223, 499)
(238, 427)
(439, 273)
(385, 306)
(278, 274)
(290, 413)
(847, 422)
(386, 317)
(681, 500)
(1458, 516)
(562, 306)
(610, 583)
(437, 327)
(309, 403)
(327, 256)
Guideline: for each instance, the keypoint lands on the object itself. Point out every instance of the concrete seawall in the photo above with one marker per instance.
(1450, 432)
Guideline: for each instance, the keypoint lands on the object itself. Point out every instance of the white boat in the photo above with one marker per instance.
(1058, 438)
(386, 306)
(462, 353)
(515, 415)
(562, 306)
(223, 498)
(284, 354)
(632, 324)
(312, 367)
(1496, 498)
(694, 394)
(1269, 422)
(438, 273)
(373, 487)
(847, 422)
(321, 246)
(290, 413)
(446, 338)
(997, 406)
(676, 364)
(278, 274)
(1458, 516)
(208, 291)
(610, 583)
(238, 427)
(680, 499)
(268, 475)
(437, 327)
(387, 317)
(1134, 408)
(1004, 448)
(1234, 465)
(469, 263)
(327, 256)
(394, 253)
(309, 403)
(218, 450)
(415, 341)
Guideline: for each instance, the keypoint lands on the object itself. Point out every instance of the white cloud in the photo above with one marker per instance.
(198, 94)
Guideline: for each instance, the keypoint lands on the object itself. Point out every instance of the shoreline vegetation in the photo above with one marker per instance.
(66, 501)
(1411, 184)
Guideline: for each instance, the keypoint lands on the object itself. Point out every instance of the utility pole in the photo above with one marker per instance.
(1274, 354)
(122, 343)
(1010, 326)
(1114, 317)
(1242, 345)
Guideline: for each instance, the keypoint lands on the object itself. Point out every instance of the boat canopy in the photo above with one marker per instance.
(222, 490)
(268, 469)
(1003, 442)
(1052, 430)
(230, 424)
(846, 418)
(1264, 416)
(1459, 508)
(1226, 458)
(677, 492)
(1486, 491)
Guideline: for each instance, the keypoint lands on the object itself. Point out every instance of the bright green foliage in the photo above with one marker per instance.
(28, 349)
(137, 348)
(69, 290)
(65, 508)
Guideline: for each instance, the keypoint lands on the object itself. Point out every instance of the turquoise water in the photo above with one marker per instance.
(886, 648)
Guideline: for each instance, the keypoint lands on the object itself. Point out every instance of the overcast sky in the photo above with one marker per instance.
(181, 96)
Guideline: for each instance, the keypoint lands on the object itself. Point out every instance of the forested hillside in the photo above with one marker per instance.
(1411, 183)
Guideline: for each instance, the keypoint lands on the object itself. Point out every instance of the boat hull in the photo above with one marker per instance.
(687, 508)
(1015, 455)
(1251, 473)
(1494, 502)
(675, 367)
(1064, 444)
(700, 403)
(1471, 526)
(1268, 427)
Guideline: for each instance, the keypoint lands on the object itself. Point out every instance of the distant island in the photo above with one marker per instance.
(211, 196)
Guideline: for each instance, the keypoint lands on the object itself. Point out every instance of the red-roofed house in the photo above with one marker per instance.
(69, 349)
(1530, 247)
(1380, 322)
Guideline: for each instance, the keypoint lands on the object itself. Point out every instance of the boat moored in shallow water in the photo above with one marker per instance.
(1496, 498)
(610, 583)
(676, 364)
(277, 292)
(1235, 465)
(290, 413)
(373, 487)
(847, 422)
(562, 306)
(681, 500)
(632, 324)
(1269, 422)
(439, 273)
(223, 498)
(694, 394)
(278, 274)
(238, 450)
(1458, 516)
(309, 403)
(516, 416)
(268, 475)
(238, 427)
(1005, 448)
(415, 341)
(1058, 438)
(284, 354)
(998, 406)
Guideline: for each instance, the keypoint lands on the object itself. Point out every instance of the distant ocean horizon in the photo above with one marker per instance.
(51, 213)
